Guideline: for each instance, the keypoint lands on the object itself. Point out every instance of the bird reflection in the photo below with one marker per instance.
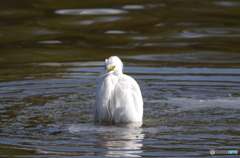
(122, 140)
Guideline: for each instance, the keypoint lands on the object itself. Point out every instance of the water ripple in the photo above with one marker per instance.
(194, 57)
(209, 32)
(104, 11)
(83, 22)
(144, 6)
(227, 3)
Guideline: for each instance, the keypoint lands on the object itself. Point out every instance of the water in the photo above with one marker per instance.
(184, 55)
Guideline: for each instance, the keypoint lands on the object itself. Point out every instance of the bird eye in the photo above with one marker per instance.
(111, 67)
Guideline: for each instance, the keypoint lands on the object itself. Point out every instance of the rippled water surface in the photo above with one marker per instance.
(184, 55)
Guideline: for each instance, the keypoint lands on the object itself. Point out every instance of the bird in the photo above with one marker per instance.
(118, 96)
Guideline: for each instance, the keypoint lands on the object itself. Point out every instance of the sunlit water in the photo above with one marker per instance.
(184, 55)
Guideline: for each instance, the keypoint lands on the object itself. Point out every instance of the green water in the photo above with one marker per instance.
(184, 55)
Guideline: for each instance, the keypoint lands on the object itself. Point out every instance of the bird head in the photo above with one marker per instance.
(113, 65)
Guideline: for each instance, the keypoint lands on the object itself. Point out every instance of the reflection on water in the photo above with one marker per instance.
(119, 140)
(184, 55)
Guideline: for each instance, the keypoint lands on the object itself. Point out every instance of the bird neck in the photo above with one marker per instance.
(119, 73)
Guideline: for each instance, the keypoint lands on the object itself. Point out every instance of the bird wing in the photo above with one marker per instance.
(127, 101)
(101, 106)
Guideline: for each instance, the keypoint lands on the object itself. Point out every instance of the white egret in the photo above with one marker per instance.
(118, 97)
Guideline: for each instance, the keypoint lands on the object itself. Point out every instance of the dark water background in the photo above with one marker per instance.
(184, 54)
